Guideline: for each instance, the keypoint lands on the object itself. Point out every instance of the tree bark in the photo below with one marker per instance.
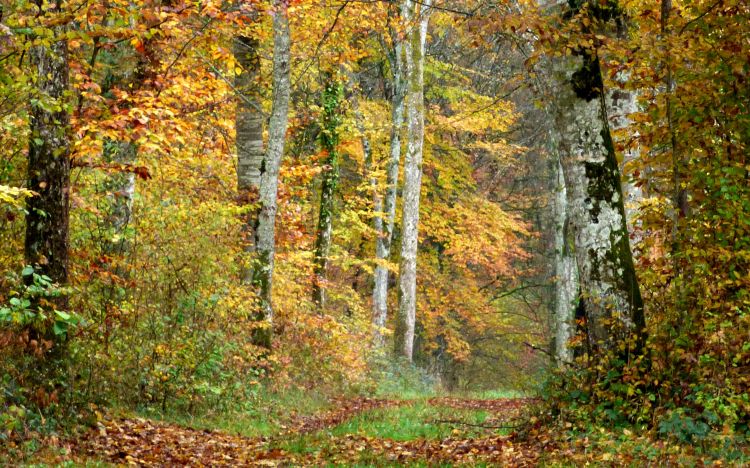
(566, 284)
(418, 15)
(329, 141)
(249, 139)
(386, 205)
(610, 295)
(621, 102)
(269, 172)
(120, 192)
(47, 218)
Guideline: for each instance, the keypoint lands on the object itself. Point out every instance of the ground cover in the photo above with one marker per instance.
(360, 432)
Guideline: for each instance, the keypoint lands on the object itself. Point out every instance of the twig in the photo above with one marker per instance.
(708, 10)
(537, 348)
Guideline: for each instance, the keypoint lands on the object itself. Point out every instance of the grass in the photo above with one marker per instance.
(270, 414)
(416, 421)
(497, 394)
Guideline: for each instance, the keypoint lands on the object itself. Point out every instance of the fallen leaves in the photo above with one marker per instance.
(142, 442)
(148, 443)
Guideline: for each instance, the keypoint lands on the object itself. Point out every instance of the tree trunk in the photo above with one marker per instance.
(249, 138)
(621, 102)
(566, 284)
(329, 141)
(120, 189)
(47, 218)
(610, 295)
(269, 172)
(384, 227)
(418, 15)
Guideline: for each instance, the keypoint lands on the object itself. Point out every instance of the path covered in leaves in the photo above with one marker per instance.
(148, 443)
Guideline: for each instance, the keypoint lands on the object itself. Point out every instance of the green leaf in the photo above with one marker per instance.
(28, 270)
(64, 316)
(60, 328)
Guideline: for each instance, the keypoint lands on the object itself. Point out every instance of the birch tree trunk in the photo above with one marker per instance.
(566, 284)
(329, 141)
(47, 218)
(387, 205)
(269, 172)
(610, 295)
(418, 15)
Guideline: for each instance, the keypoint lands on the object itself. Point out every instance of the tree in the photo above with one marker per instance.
(566, 282)
(610, 295)
(269, 171)
(418, 15)
(329, 141)
(384, 223)
(47, 218)
(249, 135)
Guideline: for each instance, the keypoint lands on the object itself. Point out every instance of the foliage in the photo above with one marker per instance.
(155, 318)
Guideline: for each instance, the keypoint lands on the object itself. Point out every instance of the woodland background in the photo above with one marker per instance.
(199, 208)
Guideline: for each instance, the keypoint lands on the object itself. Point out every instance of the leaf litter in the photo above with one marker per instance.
(143, 442)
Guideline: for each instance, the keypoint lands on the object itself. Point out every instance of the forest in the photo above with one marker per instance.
(374, 233)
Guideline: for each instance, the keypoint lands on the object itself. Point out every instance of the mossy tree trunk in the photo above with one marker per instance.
(566, 281)
(610, 296)
(416, 15)
(329, 141)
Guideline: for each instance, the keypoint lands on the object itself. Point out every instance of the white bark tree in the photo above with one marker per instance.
(417, 16)
(566, 281)
(387, 205)
(621, 103)
(263, 173)
(249, 137)
(610, 295)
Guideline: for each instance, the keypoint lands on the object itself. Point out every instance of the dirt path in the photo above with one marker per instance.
(149, 443)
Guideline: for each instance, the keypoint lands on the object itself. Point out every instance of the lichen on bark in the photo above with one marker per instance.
(610, 293)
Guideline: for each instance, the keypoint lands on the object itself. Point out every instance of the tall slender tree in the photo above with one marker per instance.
(249, 136)
(265, 229)
(385, 206)
(329, 141)
(417, 15)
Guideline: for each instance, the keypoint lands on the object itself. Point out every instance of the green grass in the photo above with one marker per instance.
(269, 414)
(497, 394)
(416, 421)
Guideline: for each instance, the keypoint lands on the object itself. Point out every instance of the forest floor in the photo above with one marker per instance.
(440, 431)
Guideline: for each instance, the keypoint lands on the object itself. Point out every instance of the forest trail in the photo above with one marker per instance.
(341, 435)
